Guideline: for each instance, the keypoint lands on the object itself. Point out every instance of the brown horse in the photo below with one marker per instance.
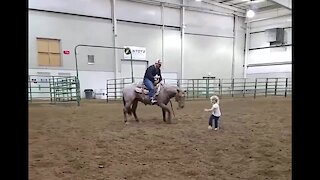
(136, 92)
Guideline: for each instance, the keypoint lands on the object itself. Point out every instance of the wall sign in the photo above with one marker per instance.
(66, 52)
(138, 53)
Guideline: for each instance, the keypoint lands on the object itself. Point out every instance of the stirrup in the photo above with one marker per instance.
(153, 101)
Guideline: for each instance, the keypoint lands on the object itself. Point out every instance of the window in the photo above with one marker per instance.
(48, 52)
(90, 59)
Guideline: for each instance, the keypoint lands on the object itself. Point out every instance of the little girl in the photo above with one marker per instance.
(215, 112)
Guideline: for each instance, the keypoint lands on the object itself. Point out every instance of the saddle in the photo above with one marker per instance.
(142, 89)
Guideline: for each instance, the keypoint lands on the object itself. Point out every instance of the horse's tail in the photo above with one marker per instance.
(124, 102)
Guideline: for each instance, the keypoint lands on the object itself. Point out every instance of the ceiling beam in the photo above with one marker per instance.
(266, 18)
(224, 6)
(266, 8)
(189, 7)
(283, 3)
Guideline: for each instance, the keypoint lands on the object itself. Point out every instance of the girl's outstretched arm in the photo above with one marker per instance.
(209, 109)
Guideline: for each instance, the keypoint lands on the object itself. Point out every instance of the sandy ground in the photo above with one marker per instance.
(92, 142)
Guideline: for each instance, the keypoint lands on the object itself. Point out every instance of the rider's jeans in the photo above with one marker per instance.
(150, 87)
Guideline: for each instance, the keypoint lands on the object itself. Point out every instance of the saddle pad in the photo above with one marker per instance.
(141, 90)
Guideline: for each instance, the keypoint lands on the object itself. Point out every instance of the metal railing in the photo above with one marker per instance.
(204, 88)
(53, 88)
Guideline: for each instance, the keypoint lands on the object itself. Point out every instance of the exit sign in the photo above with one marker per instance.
(66, 52)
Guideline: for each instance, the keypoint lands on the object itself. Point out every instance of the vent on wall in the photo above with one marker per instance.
(64, 74)
(275, 36)
(90, 59)
(44, 73)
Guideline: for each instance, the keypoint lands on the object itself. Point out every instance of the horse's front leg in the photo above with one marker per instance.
(164, 109)
(164, 115)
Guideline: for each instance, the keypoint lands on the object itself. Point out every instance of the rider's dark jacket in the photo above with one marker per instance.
(151, 72)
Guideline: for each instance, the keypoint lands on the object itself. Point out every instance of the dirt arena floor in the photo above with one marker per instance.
(92, 142)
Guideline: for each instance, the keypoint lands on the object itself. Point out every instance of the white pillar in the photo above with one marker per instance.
(234, 46)
(162, 22)
(114, 23)
(246, 52)
(182, 27)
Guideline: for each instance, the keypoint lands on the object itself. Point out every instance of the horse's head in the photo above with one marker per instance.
(180, 97)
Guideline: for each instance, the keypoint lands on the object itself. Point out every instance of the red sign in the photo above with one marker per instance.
(66, 52)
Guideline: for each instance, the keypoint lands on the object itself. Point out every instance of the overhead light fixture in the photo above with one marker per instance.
(250, 13)
(198, 0)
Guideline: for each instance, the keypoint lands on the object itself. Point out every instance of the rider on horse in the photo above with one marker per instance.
(151, 78)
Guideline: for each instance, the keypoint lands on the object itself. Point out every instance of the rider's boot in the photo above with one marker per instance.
(153, 100)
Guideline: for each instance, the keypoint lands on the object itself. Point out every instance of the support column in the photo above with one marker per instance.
(114, 23)
(182, 28)
(246, 51)
(162, 22)
(234, 46)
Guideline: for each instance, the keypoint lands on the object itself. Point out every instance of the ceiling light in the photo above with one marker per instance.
(250, 13)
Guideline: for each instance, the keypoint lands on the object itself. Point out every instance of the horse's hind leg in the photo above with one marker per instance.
(125, 115)
(134, 108)
(126, 110)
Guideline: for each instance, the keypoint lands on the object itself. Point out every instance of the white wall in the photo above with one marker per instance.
(72, 30)
(208, 38)
(172, 51)
(88, 79)
(204, 54)
(99, 8)
(258, 39)
(209, 24)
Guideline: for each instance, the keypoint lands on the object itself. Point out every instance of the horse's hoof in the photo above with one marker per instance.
(126, 123)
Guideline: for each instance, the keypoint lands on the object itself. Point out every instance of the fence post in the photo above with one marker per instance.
(70, 89)
(115, 89)
(255, 89)
(207, 88)
(50, 89)
(244, 87)
(285, 92)
(30, 89)
(187, 88)
(220, 85)
(275, 88)
(232, 86)
(107, 87)
(78, 91)
(54, 90)
(197, 88)
(266, 91)
(122, 83)
(192, 88)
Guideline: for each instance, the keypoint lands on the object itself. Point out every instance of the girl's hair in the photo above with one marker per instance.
(214, 99)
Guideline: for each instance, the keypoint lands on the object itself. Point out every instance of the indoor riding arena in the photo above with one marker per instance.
(89, 58)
